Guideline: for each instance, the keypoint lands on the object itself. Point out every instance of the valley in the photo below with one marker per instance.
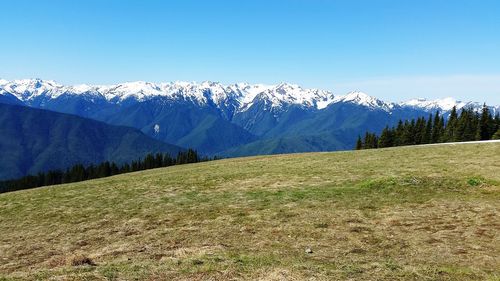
(229, 120)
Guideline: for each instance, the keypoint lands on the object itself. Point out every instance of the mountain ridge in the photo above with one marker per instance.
(36, 140)
(215, 118)
(242, 93)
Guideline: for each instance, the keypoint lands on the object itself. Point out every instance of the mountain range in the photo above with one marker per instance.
(34, 140)
(228, 120)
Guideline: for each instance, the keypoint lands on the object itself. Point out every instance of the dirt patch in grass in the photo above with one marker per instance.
(80, 260)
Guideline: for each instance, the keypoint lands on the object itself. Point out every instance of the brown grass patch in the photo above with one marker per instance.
(80, 260)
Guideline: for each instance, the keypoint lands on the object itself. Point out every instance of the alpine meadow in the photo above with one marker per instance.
(408, 213)
(268, 140)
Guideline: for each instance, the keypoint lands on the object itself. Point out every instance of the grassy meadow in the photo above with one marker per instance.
(408, 213)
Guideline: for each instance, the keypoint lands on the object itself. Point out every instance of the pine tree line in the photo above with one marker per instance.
(469, 126)
(80, 172)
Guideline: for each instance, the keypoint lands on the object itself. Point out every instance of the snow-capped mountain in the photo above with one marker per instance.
(240, 95)
(445, 104)
(363, 99)
(213, 117)
(29, 88)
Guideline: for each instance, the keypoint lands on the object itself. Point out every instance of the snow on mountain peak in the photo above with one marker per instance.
(82, 88)
(358, 97)
(137, 89)
(239, 96)
(243, 94)
(444, 104)
(25, 89)
(363, 99)
(282, 94)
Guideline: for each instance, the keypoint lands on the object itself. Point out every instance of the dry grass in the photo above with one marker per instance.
(421, 213)
(80, 260)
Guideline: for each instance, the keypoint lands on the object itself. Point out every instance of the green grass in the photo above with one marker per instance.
(412, 213)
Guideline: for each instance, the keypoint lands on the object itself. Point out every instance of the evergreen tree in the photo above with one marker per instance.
(104, 170)
(441, 129)
(192, 156)
(367, 143)
(496, 136)
(370, 141)
(80, 173)
(405, 134)
(427, 133)
(386, 138)
(436, 128)
(486, 125)
(497, 120)
(40, 179)
(398, 134)
(135, 166)
(451, 126)
(419, 130)
(466, 127)
(149, 162)
(159, 160)
(125, 168)
(114, 169)
(359, 143)
(168, 161)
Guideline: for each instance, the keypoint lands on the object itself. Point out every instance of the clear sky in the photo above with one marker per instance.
(392, 49)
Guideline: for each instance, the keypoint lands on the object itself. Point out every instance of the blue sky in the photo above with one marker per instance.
(394, 50)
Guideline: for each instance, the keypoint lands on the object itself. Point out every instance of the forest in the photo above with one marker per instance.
(469, 125)
(80, 172)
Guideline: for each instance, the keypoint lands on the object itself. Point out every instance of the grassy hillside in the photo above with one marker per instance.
(411, 213)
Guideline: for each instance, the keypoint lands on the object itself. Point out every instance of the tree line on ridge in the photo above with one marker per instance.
(469, 125)
(80, 172)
